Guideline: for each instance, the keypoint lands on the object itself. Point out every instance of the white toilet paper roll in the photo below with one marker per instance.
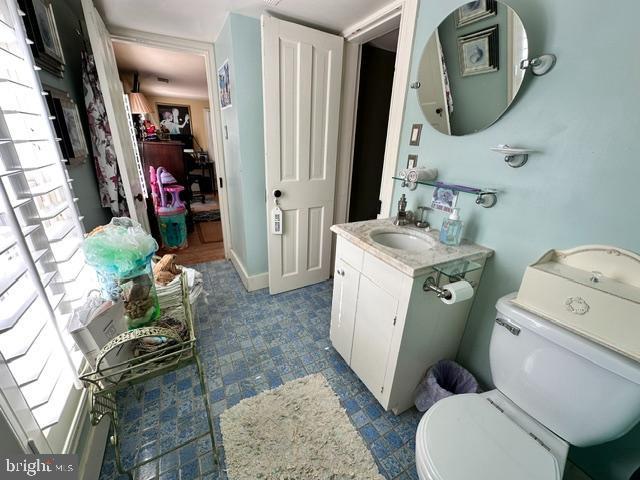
(460, 291)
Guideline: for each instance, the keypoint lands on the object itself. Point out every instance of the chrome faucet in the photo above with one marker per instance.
(401, 218)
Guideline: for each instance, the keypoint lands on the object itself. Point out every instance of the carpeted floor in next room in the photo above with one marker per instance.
(251, 342)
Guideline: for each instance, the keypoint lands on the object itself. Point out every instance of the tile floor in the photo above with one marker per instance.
(251, 342)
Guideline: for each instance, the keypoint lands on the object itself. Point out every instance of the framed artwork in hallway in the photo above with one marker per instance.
(224, 85)
(175, 118)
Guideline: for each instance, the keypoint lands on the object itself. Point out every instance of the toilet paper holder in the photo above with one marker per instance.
(431, 285)
(454, 271)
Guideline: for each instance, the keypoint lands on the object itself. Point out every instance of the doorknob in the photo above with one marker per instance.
(139, 197)
(277, 193)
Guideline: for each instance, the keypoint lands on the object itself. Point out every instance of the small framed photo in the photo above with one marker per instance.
(412, 161)
(477, 10)
(479, 52)
(76, 133)
(67, 125)
(224, 85)
(416, 132)
(444, 199)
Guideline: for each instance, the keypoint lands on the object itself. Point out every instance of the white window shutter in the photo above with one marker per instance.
(43, 276)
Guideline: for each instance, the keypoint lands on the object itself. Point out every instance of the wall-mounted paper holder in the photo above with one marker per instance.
(454, 271)
(514, 157)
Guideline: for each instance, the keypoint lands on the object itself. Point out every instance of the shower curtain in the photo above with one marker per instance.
(104, 156)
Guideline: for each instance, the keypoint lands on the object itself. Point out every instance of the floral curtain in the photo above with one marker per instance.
(104, 156)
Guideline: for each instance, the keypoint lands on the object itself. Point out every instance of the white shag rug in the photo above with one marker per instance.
(296, 431)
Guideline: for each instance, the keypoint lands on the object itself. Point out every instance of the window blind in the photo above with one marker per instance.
(43, 275)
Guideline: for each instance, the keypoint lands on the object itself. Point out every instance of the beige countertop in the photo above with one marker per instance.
(411, 263)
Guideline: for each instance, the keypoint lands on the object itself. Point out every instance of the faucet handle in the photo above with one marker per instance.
(421, 217)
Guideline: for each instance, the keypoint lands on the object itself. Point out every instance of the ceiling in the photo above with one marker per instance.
(185, 72)
(203, 19)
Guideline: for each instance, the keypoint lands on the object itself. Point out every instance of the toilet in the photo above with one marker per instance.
(552, 390)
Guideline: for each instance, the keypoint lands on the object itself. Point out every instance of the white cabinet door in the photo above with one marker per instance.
(343, 308)
(375, 318)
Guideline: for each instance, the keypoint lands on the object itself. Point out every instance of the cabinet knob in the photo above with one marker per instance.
(340, 272)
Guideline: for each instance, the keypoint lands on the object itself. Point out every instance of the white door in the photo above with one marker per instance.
(113, 99)
(432, 94)
(375, 321)
(302, 75)
(343, 307)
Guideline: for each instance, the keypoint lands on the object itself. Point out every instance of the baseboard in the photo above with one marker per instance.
(250, 282)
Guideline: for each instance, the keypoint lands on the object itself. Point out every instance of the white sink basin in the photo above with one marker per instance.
(402, 241)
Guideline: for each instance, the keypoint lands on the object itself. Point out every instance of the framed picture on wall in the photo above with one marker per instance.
(175, 118)
(224, 85)
(76, 133)
(40, 25)
(478, 52)
(477, 10)
(67, 125)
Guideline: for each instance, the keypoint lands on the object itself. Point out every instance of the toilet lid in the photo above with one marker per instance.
(465, 436)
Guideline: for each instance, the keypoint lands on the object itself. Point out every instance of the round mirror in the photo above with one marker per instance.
(470, 68)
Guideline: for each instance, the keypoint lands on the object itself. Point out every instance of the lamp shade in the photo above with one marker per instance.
(139, 103)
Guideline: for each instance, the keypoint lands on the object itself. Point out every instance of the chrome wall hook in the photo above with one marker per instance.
(514, 157)
(540, 65)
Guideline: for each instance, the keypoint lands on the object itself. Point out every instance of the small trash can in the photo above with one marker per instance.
(442, 380)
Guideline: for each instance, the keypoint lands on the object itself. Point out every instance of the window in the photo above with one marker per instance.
(42, 275)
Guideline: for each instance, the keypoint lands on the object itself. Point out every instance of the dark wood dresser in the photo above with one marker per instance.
(168, 154)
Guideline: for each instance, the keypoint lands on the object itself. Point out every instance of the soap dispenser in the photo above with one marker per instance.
(451, 231)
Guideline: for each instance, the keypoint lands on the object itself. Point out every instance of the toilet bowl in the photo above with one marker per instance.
(549, 382)
(485, 436)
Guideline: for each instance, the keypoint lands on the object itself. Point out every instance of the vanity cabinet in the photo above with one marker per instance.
(387, 328)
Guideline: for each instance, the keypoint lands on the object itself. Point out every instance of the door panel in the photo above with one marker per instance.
(302, 70)
(433, 97)
(343, 308)
(374, 324)
(112, 94)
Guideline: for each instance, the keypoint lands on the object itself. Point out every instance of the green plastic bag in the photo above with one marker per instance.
(121, 253)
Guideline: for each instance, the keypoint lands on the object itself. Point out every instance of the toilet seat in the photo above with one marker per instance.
(466, 436)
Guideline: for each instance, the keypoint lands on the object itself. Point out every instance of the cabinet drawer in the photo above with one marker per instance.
(348, 252)
(384, 275)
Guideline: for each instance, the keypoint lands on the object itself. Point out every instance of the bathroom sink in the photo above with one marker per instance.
(402, 241)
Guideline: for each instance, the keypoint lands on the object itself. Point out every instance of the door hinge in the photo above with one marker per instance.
(379, 206)
(220, 181)
(382, 389)
(394, 320)
(542, 444)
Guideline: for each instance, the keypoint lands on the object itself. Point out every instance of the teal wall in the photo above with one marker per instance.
(581, 188)
(477, 99)
(68, 14)
(240, 43)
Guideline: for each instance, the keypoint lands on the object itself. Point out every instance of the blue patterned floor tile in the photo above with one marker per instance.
(250, 342)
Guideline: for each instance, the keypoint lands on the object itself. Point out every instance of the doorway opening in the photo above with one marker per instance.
(168, 95)
(375, 86)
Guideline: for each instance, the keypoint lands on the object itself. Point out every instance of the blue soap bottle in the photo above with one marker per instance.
(451, 231)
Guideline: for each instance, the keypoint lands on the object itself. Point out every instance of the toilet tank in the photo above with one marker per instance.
(583, 392)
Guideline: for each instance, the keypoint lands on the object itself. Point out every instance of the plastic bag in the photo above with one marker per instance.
(121, 252)
(442, 380)
(121, 248)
